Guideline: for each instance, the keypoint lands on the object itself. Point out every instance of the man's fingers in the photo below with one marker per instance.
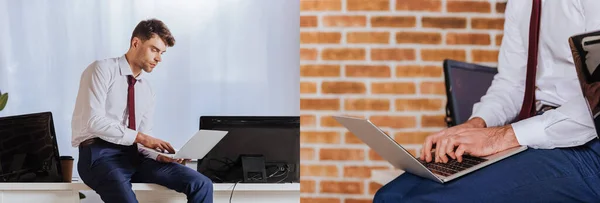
(170, 148)
(460, 151)
(427, 151)
(452, 142)
(441, 150)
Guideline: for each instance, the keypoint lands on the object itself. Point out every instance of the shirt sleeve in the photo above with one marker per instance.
(571, 124)
(147, 126)
(503, 99)
(94, 86)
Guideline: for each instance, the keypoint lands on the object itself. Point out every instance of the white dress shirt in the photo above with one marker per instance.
(101, 105)
(557, 84)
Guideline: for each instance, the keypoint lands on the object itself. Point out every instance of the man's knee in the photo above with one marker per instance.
(382, 194)
(201, 182)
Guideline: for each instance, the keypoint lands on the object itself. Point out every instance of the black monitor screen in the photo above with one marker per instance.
(277, 139)
(28, 149)
(468, 86)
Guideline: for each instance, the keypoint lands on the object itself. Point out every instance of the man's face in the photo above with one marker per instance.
(149, 53)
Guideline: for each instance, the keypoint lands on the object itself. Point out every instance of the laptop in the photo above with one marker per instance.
(400, 158)
(196, 147)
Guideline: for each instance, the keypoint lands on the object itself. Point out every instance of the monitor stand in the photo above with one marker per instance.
(253, 168)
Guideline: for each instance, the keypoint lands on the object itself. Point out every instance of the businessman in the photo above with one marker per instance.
(540, 106)
(114, 114)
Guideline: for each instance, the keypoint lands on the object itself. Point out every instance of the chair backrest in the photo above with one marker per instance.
(465, 83)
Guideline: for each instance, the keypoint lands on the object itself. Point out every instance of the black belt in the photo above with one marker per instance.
(90, 141)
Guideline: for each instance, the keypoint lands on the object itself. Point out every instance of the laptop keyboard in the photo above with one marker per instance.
(453, 166)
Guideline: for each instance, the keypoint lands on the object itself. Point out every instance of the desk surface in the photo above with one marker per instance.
(251, 187)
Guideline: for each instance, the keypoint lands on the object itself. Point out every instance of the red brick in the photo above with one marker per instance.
(500, 7)
(308, 87)
(419, 104)
(319, 171)
(352, 139)
(438, 88)
(328, 121)
(487, 23)
(392, 54)
(320, 70)
(374, 187)
(342, 187)
(343, 54)
(444, 22)
(307, 186)
(373, 71)
(433, 121)
(358, 201)
(418, 38)
(341, 154)
(468, 38)
(393, 88)
(319, 137)
(308, 120)
(308, 54)
(343, 87)
(320, 5)
(307, 153)
(499, 39)
(419, 5)
(394, 121)
(320, 37)
(441, 54)
(320, 200)
(468, 6)
(418, 71)
(361, 171)
(367, 104)
(373, 156)
(345, 21)
(368, 37)
(368, 5)
(485, 55)
(319, 104)
(393, 21)
(308, 21)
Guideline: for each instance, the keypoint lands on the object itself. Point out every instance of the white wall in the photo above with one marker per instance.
(232, 57)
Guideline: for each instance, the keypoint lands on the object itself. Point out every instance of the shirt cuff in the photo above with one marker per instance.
(491, 120)
(531, 132)
(129, 137)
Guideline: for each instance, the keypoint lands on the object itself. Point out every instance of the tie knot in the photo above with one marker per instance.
(131, 81)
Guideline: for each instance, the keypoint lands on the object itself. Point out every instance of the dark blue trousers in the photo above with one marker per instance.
(535, 175)
(110, 169)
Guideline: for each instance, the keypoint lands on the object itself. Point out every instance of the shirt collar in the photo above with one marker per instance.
(125, 69)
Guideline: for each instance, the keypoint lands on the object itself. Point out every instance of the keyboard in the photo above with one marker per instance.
(453, 166)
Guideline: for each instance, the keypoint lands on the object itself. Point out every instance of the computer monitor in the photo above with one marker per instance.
(28, 149)
(261, 149)
(466, 83)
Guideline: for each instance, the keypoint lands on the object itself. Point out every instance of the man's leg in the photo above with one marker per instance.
(197, 187)
(559, 175)
(107, 171)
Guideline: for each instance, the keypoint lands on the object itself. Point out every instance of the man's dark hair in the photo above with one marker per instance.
(145, 29)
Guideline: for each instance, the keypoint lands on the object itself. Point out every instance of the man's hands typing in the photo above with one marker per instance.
(471, 137)
(154, 143)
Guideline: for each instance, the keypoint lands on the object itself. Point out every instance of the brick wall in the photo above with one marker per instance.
(379, 59)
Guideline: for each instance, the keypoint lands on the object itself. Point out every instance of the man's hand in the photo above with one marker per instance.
(165, 159)
(154, 143)
(476, 142)
(433, 139)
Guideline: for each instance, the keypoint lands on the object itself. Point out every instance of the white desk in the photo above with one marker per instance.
(148, 193)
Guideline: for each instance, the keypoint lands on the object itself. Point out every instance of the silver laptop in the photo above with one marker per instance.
(196, 147)
(400, 158)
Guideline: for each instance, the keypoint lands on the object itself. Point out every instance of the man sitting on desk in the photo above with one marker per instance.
(114, 113)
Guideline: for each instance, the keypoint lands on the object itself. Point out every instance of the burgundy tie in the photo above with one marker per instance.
(131, 101)
(528, 108)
